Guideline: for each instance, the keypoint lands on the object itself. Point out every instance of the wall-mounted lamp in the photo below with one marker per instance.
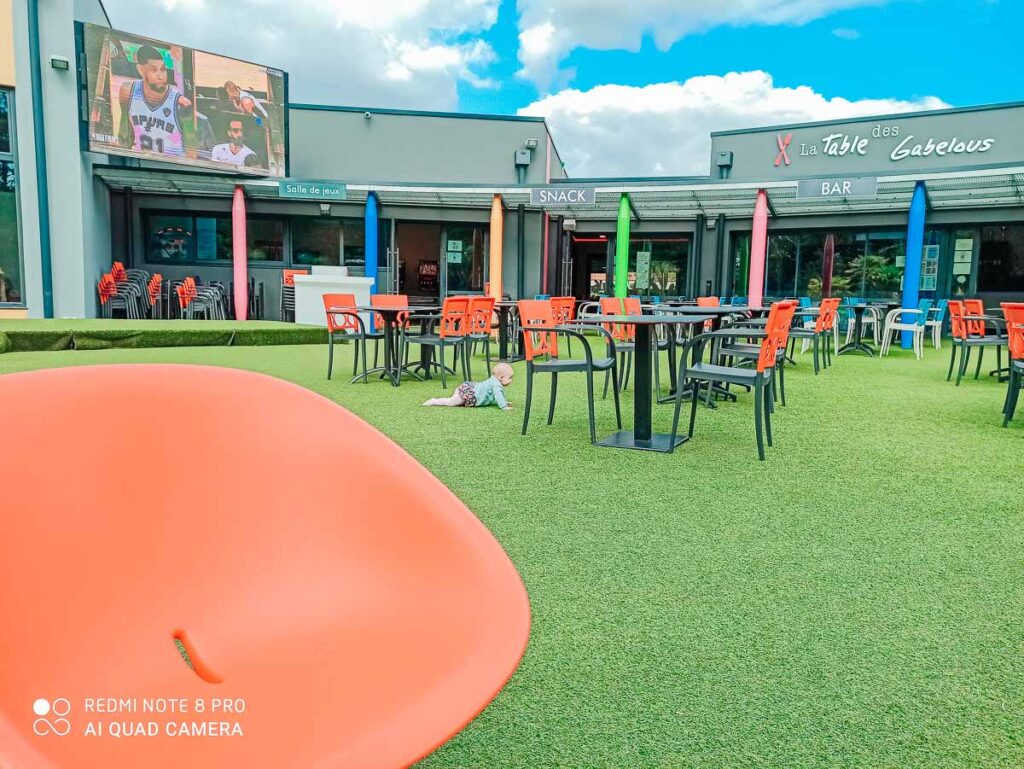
(531, 144)
(60, 62)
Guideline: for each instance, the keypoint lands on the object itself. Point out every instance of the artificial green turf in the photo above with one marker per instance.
(30, 335)
(856, 600)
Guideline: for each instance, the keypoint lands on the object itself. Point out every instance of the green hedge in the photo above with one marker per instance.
(37, 336)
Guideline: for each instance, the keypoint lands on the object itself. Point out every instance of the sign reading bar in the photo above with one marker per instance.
(312, 190)
(562, 195)
(837, 188)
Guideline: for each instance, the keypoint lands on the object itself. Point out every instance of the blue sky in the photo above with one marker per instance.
(664, 72)
(963, 51)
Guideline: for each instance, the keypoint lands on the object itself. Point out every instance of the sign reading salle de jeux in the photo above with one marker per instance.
(311, 190)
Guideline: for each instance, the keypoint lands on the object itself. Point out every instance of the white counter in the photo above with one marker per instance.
(310, 289)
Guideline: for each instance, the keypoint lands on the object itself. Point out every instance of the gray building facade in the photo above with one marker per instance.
(434, 177)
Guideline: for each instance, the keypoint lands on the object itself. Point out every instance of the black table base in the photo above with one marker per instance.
(625, 439)
(857, 345)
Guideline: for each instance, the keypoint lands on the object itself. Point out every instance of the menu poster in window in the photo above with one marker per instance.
(643, 270)
(454, 252)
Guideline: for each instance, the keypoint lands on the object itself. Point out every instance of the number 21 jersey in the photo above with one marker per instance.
(156, 129)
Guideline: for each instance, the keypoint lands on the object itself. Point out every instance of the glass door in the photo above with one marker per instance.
(464, 263)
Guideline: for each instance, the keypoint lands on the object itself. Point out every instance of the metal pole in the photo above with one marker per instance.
(39, 131)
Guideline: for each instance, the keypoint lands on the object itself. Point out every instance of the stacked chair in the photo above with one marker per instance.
(287, 308)
(210, 300)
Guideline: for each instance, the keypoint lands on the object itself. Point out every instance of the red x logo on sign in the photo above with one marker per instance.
(783, 142)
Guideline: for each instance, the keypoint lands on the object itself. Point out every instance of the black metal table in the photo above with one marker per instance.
(642, 435)
(504, 310)
(393, 368)
(715, 315)
(857, 345)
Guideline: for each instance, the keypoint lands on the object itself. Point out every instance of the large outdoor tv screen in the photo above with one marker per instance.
(159, 101)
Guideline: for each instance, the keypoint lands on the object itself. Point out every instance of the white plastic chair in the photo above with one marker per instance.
(893, 326)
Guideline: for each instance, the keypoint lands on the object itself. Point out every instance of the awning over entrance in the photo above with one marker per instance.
(652, 200)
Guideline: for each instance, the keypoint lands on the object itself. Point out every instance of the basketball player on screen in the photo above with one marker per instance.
(150, 120)
(233, 151)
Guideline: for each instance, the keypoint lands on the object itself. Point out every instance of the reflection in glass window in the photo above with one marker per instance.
(10, 253)
(667, 257)
(316, 241)
(1001, 259)
(265, 238)
(169, 238)
(6, 124)
(465, 257)
(213, 238)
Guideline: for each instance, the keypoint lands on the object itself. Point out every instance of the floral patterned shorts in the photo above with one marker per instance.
(468, 392)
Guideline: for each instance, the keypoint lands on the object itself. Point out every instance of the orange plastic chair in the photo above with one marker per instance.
(358, 612)
(453, 327)
(709, 301)
(1013, 312)
(975, 307)
(344, 323)
(390, 300)
(481, 321)
(288, 276)
(969, 335)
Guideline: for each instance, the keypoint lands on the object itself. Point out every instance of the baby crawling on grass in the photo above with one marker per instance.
(472, 394)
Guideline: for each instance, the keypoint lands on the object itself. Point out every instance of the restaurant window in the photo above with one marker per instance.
(331, 242)
(207, 238)
(11, 290)
(265, 239)
(868, 265)
(657, 265)
(1001, 258)
(465, 257)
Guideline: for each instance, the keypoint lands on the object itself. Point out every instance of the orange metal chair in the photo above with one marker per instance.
(624, 334)
(452, 328)
(540, 345)
(968, 330)
(693, 375)
(359, 613)
(564, 308)
(708, 301)
(345, 324)
(481, 322)
(1013, 312)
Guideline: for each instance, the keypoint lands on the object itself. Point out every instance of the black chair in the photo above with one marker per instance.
(540, 343)
(693, 373)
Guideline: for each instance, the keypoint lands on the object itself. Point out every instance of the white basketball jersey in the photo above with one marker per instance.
(222, 154)
(156, 129)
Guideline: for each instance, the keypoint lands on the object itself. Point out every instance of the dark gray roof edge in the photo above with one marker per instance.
(872, 118)
(415, 112)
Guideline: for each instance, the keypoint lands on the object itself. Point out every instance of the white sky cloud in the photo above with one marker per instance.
(663, 128)
(397, 53)
(550, 29)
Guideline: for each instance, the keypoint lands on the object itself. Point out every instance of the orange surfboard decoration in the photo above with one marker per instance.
(204, 567)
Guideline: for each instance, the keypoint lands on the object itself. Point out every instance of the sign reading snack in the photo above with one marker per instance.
(837, 188)
(312, 190)
(562, 195)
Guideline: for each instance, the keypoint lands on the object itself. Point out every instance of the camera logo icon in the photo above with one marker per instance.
(52, 717)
